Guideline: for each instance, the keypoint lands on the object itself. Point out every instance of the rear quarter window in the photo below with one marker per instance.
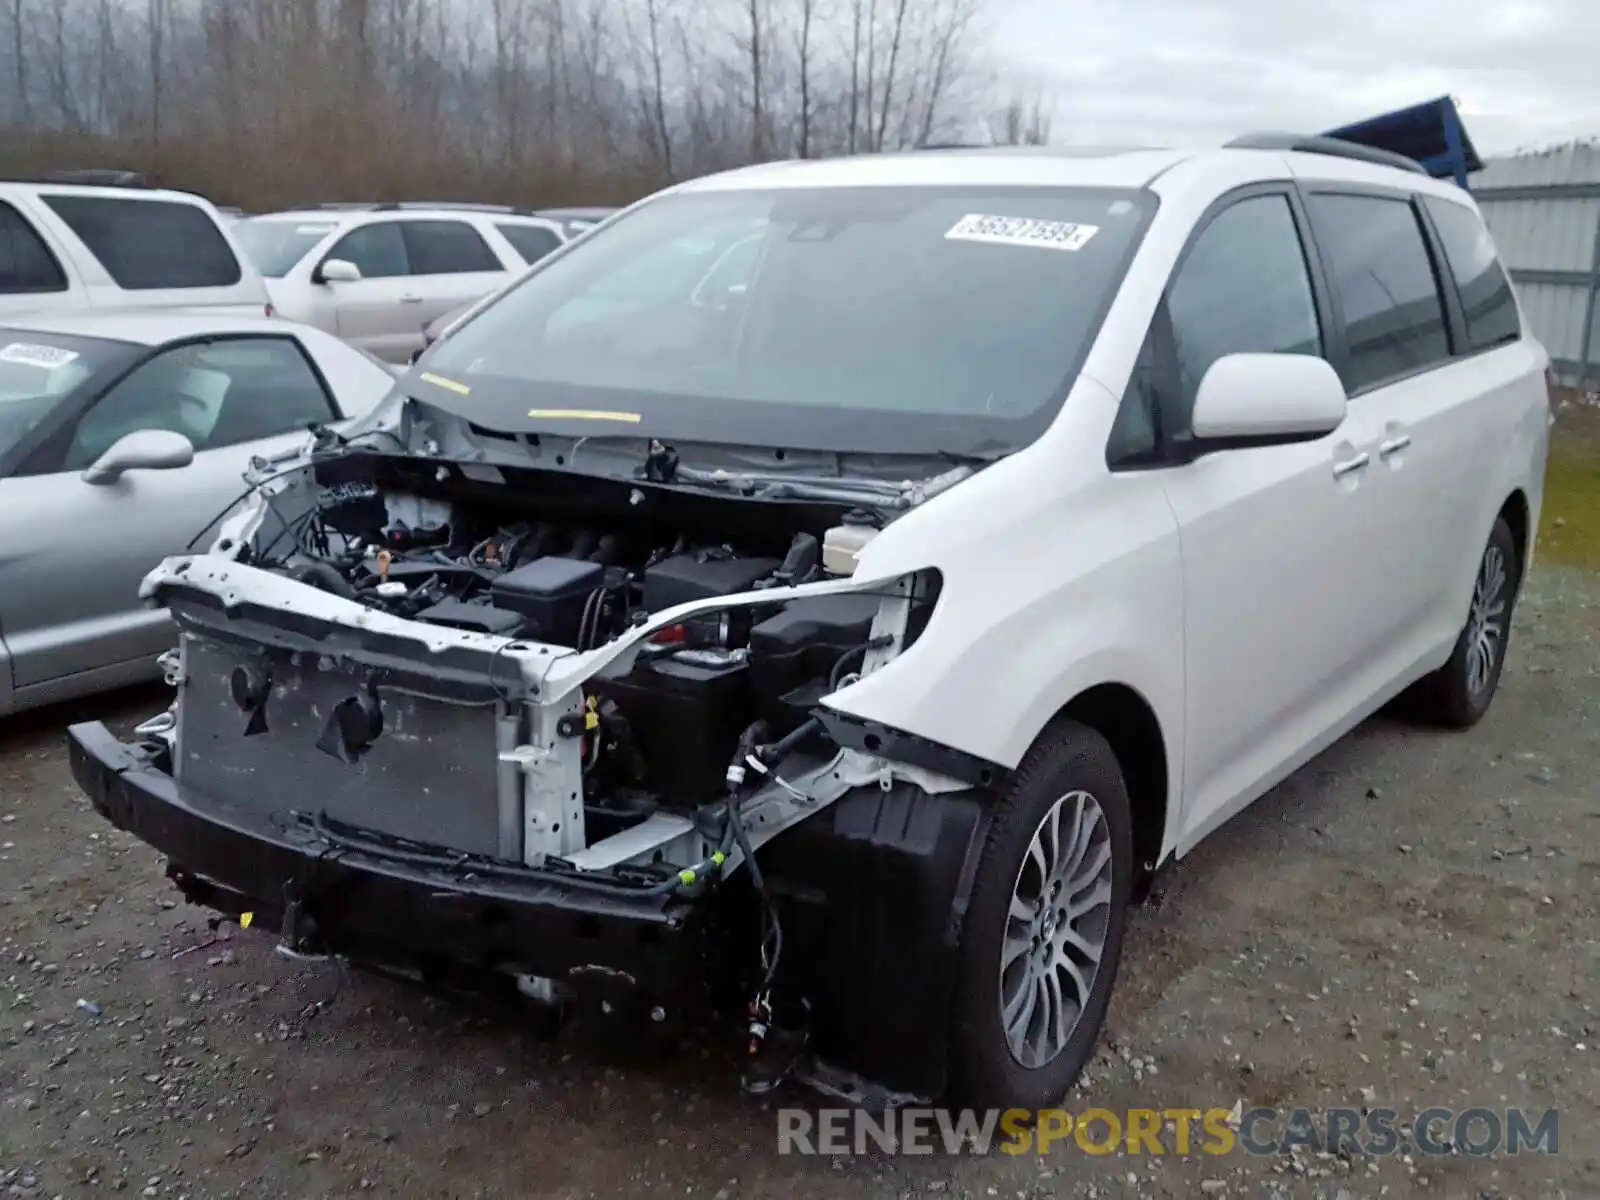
(26, 264)
(148, 245)
(1487, 302)
(531, 242)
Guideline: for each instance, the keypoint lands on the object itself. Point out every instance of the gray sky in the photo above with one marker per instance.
(1181, 72)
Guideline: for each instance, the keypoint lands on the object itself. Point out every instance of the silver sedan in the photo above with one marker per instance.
(122, 439)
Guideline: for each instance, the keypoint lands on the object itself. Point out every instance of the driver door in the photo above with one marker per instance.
(75, 552)
(382, 312)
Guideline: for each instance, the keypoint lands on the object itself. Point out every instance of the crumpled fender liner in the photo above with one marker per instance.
(872, 894)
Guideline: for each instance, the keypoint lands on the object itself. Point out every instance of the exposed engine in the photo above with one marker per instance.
(663, 735)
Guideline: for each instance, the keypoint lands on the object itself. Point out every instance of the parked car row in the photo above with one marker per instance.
(153, 344)
(379, 274)
(376, 275)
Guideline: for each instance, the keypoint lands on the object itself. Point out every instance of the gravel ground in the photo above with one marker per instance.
(1411, 920)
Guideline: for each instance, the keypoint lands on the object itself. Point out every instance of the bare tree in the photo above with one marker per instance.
(276, 101)
(807, 18)
(1022, 122)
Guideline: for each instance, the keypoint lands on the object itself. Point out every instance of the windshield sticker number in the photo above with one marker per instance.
(46, 358)
(1022, 231)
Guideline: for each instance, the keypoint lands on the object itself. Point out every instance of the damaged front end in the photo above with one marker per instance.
(484, 722)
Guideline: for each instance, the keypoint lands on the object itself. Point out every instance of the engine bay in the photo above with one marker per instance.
(700, 694)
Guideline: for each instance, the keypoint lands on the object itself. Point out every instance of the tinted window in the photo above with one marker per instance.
(150, 244)
(26, 264)
(1382, 274)
(532, 242)
(1486, 297)
(1242, 288)
(41, 372)
(378, 251)
(217, 394)
(447, 248)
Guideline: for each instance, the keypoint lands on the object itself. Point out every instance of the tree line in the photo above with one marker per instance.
(268, 103)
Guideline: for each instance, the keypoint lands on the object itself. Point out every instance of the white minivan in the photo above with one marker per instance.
(829, 592)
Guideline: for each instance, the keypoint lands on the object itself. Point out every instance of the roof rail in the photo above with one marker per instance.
(89, 177)
(1319, 144)
(506, 210)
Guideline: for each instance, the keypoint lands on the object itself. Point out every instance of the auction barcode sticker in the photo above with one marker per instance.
(46, 358)
(1022, 231)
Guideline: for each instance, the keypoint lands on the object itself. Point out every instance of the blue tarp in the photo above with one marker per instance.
(1430, 134)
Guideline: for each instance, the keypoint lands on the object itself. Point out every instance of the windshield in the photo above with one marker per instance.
(275, 245)
(40, 372)
(882, 319)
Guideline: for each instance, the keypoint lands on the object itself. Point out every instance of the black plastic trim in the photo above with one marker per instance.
(872, 737)
(387, 908)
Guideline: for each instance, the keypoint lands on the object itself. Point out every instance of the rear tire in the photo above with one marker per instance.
(1458, 694)
(1042, 937)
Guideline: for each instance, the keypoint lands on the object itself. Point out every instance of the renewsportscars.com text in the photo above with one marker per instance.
(1366, 1132)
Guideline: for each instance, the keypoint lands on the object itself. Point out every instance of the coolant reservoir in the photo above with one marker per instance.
(842, 544)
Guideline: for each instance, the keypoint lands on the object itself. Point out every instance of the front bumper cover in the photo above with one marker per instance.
(386, 907)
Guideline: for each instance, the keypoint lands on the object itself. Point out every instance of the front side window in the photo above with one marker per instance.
(1382, 275)
(216, 394)
(1242, 288)
(26, 264)
(446, 248)
(377, 250)
(42, 375)
(277, 246)
(832, 318)
(1487, 301)
(147, 245)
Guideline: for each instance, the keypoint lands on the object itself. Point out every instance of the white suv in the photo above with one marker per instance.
(850, 582)
(69, 245)
(377, 274)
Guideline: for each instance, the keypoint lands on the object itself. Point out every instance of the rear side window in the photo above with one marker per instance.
(532, 242)
(26, 264)
(1486, 297)
(146, 245)
(447, 248)
(1382, 274)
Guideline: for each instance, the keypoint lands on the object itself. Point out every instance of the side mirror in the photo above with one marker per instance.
(338, 270)
(141, 450)
(1266, 400)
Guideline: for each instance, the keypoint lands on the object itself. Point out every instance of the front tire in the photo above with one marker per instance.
(1042, 937)
(1458, 694)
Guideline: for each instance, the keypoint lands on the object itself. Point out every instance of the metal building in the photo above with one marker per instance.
(1544, 212)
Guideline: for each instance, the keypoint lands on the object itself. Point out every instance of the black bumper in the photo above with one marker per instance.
(390, 909)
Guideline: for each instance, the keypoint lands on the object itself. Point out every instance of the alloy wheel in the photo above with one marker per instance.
(1056, 929)
(1486, 632)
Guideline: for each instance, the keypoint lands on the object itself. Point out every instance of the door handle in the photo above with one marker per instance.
(1351, 465)
(1393, 445)
(410, 299)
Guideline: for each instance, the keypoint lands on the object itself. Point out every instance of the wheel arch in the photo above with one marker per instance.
(1126, 719)
(1516, 514)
